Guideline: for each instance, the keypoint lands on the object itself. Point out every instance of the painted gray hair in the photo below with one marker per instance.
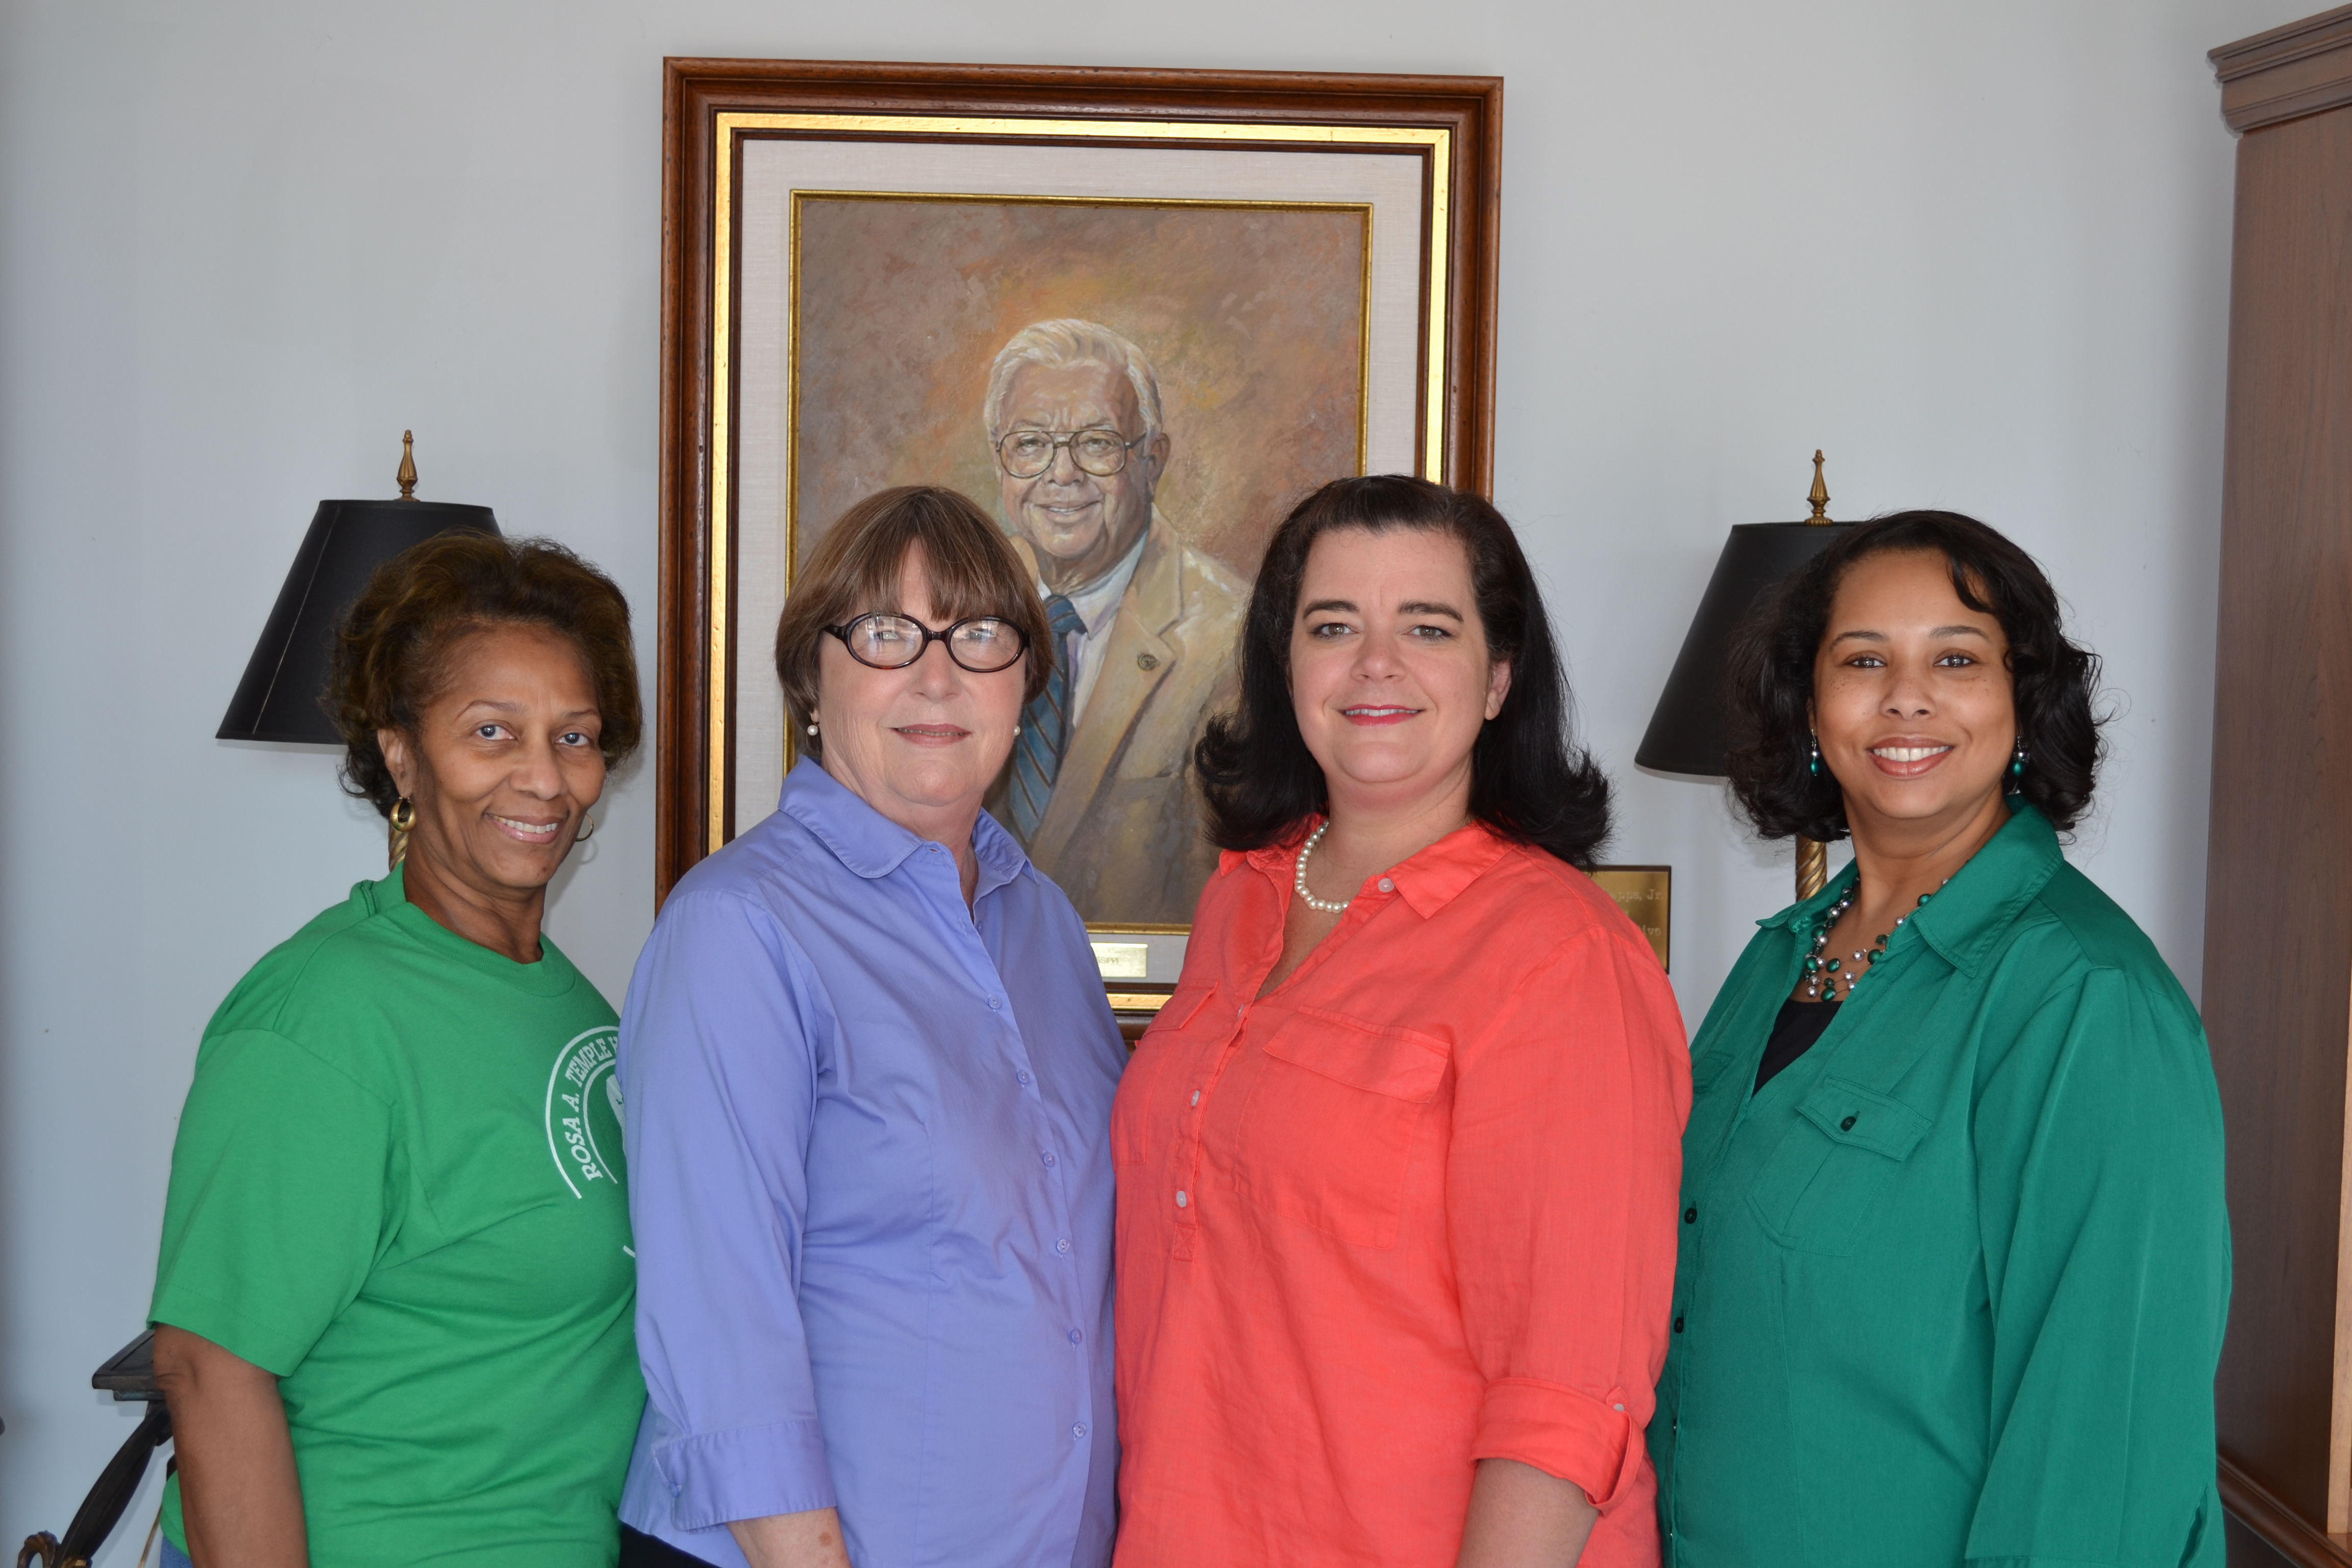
(1069, 341)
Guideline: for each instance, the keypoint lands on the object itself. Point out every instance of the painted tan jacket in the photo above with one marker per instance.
(1121, 833)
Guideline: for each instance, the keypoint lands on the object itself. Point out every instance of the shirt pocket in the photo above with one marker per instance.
(1171, 1043)
(1710, 1065)
(1330, 1122)
(1821, 1185)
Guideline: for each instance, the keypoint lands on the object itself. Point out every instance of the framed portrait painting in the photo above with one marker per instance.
(1135, 315)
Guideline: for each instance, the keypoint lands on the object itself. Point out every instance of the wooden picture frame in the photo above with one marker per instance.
(896, 128)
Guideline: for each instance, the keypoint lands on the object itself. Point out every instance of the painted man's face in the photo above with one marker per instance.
(1080, 524)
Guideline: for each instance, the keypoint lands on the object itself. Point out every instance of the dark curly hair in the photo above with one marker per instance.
(1770, 684)
(1527, 781)
(393, 645)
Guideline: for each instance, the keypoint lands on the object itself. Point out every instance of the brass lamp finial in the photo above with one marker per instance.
(406, 478)
(1812, 855)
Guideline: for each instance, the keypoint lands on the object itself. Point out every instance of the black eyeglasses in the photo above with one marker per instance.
(983, 644)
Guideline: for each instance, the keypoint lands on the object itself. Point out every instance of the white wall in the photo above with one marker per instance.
(1978, 252)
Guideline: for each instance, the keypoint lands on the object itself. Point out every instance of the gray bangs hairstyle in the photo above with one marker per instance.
(1069, 341)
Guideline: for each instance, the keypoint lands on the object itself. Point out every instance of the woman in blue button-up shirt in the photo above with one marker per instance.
(868, 1066)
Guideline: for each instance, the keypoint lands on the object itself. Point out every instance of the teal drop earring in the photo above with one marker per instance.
(1815, 768)
(2017, 760)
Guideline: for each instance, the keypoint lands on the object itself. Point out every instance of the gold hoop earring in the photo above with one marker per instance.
(401, 818)
(589, 822)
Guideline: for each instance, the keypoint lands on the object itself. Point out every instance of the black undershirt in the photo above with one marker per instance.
(1794, 1032)
(640, 1551)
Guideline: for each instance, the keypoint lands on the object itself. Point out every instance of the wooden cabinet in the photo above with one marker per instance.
(2278, 901)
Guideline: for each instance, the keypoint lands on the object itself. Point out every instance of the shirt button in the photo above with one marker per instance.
(1678, 1325)
(1022, 1076)
(1387, 886)
(1847, 1125)
(996, 1001)
(1196, 1097)
(1078, 1430)
(1690, 1216)
(1182, 1200)
(1617, 1407)
(1075, 1336)
(1047, 1157)
(1063, 1244)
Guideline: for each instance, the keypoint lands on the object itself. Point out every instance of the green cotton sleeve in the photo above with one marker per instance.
(2106, 1253)
(277, 1201)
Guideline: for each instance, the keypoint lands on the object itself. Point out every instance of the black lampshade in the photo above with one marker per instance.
(279, 698)
(1686, 732)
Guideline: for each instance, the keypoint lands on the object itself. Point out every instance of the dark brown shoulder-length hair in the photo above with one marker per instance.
(1529, 780)
(1769, 689)
(394, 645)
(853, 571)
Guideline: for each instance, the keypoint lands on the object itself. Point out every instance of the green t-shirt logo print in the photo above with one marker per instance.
(359, 1205)
(583, 1110)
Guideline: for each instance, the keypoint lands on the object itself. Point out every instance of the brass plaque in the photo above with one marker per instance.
(1646, 895)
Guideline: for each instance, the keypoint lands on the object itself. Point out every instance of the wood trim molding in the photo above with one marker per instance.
(2304, 68)
(2252, 1506)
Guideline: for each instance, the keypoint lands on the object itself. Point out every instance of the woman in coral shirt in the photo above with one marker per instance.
(1398, 1162)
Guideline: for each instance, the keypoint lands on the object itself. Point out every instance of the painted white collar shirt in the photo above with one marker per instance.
(1097, 606)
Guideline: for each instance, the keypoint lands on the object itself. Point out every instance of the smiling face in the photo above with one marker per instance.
(1912, 703)
(504, 763)
(1389, 674)
(921, 744)
(1080, 524)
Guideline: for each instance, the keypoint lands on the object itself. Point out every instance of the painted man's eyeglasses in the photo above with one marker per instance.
(1099, 451)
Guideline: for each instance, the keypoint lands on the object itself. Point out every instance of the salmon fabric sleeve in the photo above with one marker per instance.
(1561, 1195)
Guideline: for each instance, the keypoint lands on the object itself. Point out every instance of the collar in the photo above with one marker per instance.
(1096, 600)
(1152, 588)
(1981, 902)
(872, 846)
(1427, 881)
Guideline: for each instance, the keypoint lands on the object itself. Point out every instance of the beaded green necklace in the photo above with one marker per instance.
(1820, 974)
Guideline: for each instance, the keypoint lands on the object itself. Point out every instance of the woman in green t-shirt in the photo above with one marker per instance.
(394, 1299)
(1954, 1260)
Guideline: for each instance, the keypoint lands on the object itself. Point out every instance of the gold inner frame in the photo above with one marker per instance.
(1435, 143)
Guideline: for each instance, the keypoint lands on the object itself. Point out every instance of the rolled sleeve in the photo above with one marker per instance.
(1561, 1188)
(719, 1076)
(1561, 1432)
(713, 1476)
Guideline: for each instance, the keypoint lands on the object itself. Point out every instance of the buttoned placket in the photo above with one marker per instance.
(989, 981)
(1690, 1269)
(1186, 1197)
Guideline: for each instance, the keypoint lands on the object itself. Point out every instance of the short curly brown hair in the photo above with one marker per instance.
(853, 571)
(393, 645)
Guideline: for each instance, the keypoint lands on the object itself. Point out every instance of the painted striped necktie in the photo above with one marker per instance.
(1044, 726)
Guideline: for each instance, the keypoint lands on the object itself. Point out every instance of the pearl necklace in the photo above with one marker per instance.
(1820, 974)
(1299, 881)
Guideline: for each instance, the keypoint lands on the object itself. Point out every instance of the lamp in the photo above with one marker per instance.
(279, 698)
(1686, 730)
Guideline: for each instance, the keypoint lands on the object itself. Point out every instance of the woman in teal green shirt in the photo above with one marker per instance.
(1954, 1260)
